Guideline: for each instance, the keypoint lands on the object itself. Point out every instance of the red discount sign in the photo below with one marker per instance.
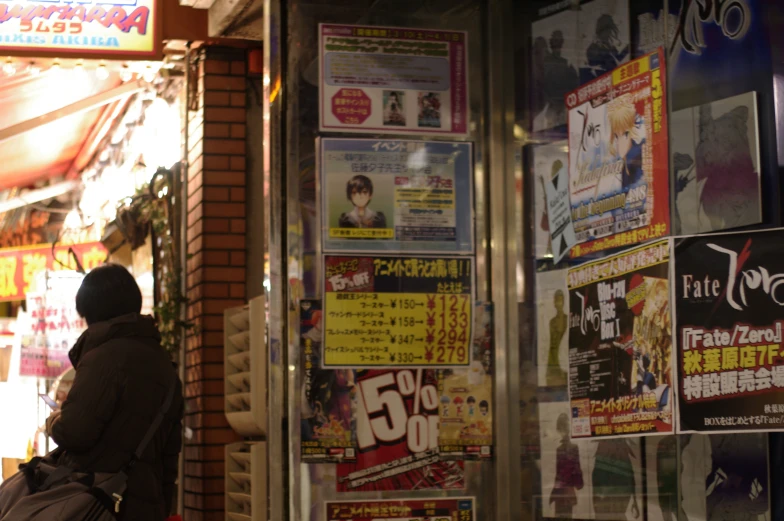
(351, 106)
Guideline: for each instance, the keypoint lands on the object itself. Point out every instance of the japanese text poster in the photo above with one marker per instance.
(53, 326)
(393, 81)
(397, 429)
(397, 311)
(620, 344)
(618, 158)
(327, 399)
(381, 195)
(729, 313)
(466, 396)
(434, 509)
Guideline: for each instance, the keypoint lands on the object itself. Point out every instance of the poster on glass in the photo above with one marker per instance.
(620, 344)
(552, 328)
(435, 509)
(618, 157)
(545, 162)
(396, 196)
(728, 318)
(397, 311)
(389, 80)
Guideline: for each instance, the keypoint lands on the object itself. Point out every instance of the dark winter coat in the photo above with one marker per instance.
(122, 378)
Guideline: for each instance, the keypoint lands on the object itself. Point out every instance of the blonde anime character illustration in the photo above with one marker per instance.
(627, 136)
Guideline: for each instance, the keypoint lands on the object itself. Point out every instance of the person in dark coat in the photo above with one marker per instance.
(123, 376)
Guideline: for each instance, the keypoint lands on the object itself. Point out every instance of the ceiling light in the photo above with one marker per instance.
(33, 69)
(102, 72)
(126, 74)
(9, 68)
(148, 75)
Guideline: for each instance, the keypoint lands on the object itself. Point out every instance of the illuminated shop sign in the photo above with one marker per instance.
(119, 26)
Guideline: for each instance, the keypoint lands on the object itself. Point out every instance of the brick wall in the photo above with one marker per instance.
(216, 267)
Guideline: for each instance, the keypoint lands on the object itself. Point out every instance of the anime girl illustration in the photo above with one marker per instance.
(359, 192)
(568, 472)
(627, 136)
(429, 110)
(614, 483)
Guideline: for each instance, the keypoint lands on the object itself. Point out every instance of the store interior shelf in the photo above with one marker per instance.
(245, 367)
(246, 481)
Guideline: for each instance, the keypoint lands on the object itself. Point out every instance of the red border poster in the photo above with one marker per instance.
(618, 157)
(433, 509)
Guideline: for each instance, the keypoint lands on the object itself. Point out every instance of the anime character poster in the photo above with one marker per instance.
(720, 477)
(716, 166)
(393, 80)
(620, 344)
(604, 37)
(383, 195)
(545, 162)
(618, 157)
(327, 399)
(397, 430)
(552, 328)
(728, 309)
(587, 479)
(466, 396)
(573, 42)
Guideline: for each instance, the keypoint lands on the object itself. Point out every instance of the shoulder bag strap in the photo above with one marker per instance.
(156, 423)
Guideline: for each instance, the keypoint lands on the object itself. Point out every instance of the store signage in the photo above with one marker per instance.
(116, 26)
(19, 266)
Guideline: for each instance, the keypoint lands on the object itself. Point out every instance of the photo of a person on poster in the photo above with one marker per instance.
(359, 192)
(394, 112)
(627, 136)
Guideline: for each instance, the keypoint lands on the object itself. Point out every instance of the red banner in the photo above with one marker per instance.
(19, 266)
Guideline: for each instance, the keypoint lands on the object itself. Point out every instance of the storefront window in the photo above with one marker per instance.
(635, 122)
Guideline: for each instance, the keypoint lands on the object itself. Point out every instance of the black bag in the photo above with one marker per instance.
(45, 491)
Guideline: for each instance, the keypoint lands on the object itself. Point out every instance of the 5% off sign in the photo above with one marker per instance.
(383, 417)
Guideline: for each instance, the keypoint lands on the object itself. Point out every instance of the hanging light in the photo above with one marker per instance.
(102, 72)
(33, 69)
(73, 221)
(9, 68)
(126, 74)
(56, 65)
(79, 67)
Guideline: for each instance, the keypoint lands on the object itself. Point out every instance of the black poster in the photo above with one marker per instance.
(729, 304)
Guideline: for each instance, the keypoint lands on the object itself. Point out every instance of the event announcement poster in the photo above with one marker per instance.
(397, 311)
(383, 195)
(620, 344)
(432, 509)
(618, 158)
(387, 80)
(729, 292)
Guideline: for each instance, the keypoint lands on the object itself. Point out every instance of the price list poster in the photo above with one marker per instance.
(729, 309)
(620, 348)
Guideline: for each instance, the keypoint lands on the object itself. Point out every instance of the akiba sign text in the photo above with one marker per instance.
(118, 26)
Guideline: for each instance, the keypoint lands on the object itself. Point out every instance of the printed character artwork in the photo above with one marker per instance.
(359, 192)
(604, 32)
(716, 166)
(429, 110)
(725, 477)
(565, 465)
(394, 109)
(327, 398)
(587, 479)
(555, 52)
(649, 19)
(468, 395)
(552, 328)
(662, 463)
(547, 161)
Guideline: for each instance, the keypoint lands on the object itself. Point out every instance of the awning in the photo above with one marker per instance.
(51, 122)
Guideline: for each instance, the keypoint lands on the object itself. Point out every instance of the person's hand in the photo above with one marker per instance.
(51, 420)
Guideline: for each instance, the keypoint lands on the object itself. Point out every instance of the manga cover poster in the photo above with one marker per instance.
(545, 162)
(716, 166)
(620, 344)
(327, 399)
(466, 396)
(397, 429)
(728, 313)
(552, 328)
(573, 43)
(618, 157)
(587, 479)
(721, 477)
